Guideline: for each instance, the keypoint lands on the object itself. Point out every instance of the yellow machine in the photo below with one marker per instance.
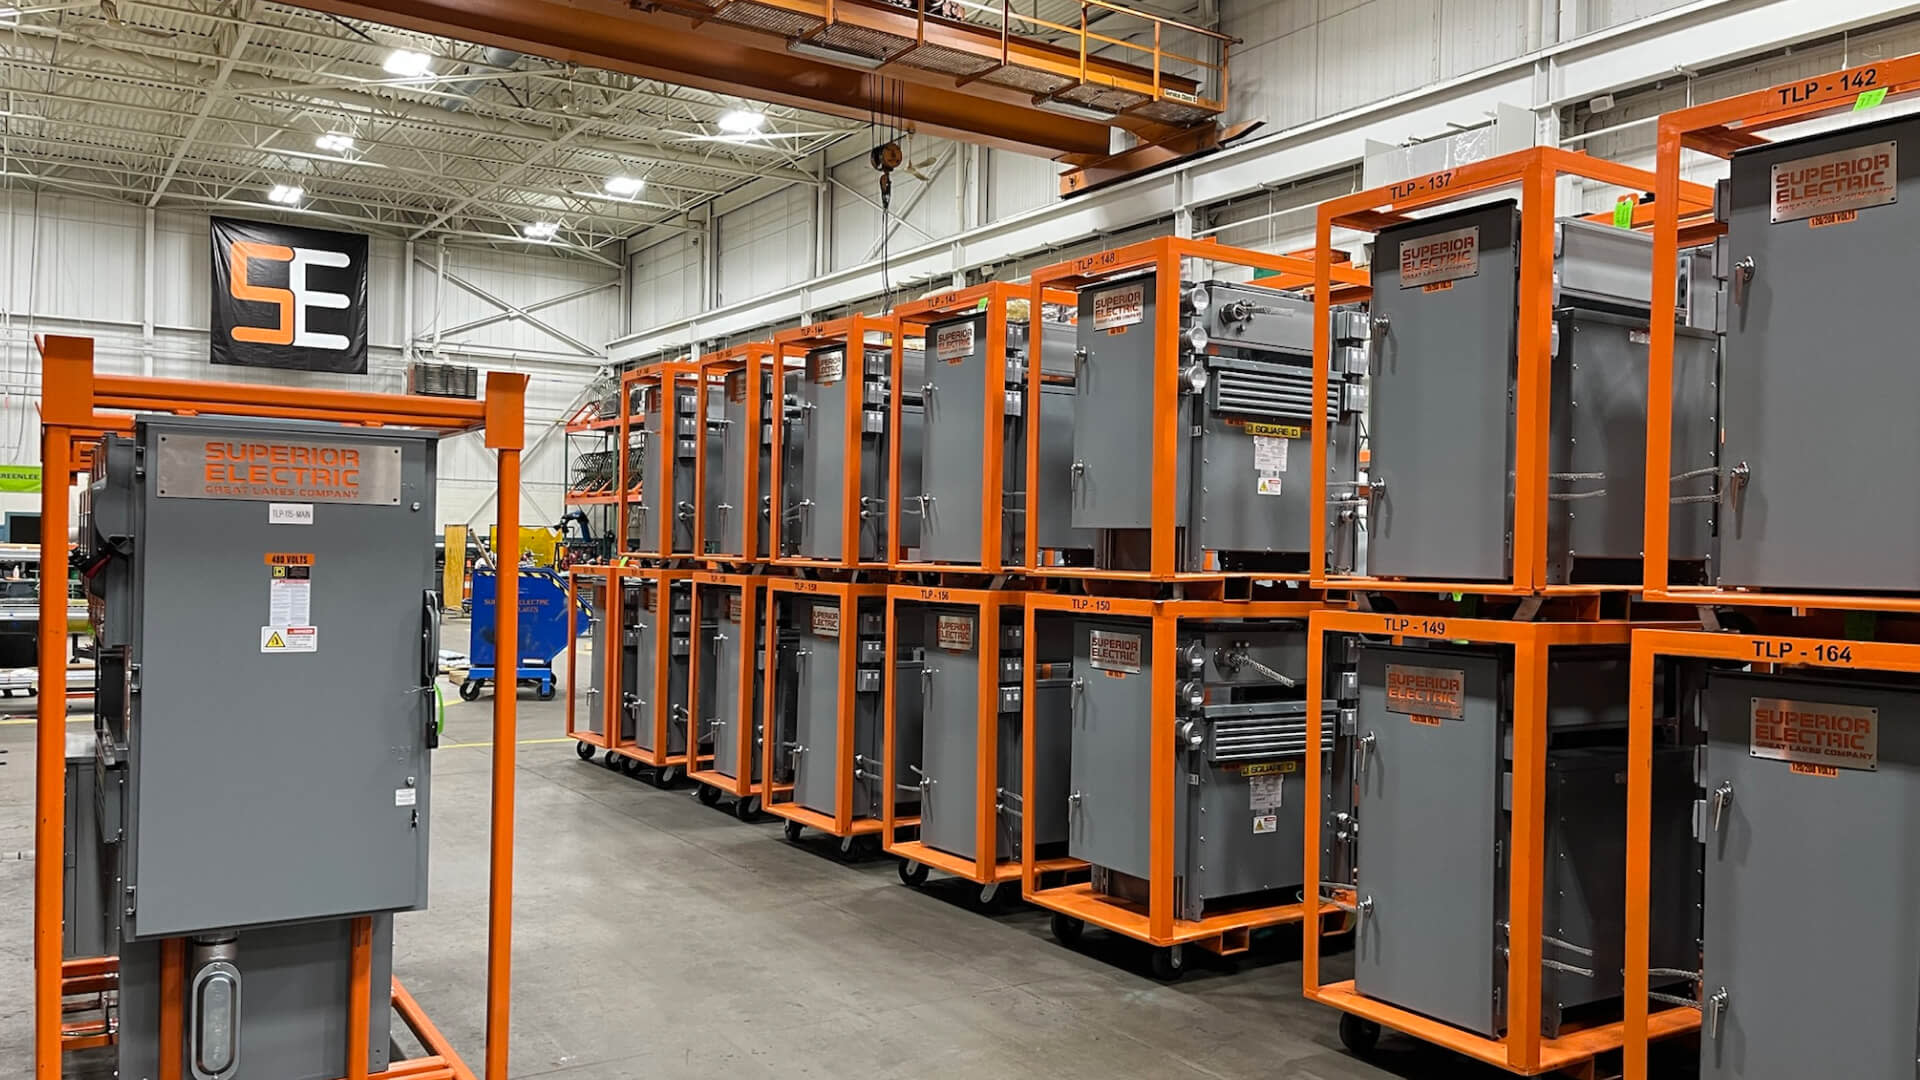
(539, 545)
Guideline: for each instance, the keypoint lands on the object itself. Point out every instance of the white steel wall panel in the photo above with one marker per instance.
(666, 281)
(856, 222)
(766, 244)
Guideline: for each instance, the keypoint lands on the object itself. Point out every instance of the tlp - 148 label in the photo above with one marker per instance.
(1816, 733)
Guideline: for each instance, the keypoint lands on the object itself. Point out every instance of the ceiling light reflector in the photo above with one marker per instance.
(408, 64)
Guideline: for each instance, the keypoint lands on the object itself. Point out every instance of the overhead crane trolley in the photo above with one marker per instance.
(832, 670)
(1188, 772)
(973, 499)
(1191, 397)
(733, 473)
(1475, 830)
(1504, 359)
(252, 929)
(1805, 686)
(833, 439)
(727, 683)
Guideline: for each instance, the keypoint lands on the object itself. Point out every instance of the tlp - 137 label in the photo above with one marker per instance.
(1447, 256)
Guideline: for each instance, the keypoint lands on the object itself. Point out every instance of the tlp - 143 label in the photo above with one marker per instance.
(1447, 256)
(953, 343)
(1426, 691)
(1816, 733)
(1831, 183)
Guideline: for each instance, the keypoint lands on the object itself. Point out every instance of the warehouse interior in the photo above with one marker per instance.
(559, 399)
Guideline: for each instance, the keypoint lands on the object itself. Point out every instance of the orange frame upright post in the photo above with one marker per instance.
(749, 363)
(1720, 128)
(851, 333)
(1536, 173)
(1157, 924)
(752, 591)
(1164, 256)
(73, 400)
(1523, 1050)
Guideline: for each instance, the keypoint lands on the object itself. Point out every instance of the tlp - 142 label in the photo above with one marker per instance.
(1447, 256)
(1831, 183)
(1816, 733)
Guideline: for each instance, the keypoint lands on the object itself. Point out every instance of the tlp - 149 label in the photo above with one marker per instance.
(1830, 183)
(1426, 691)
(1447, 256)
(1816, 733)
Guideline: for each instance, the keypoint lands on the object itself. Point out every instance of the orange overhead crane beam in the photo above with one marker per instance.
(992, 83)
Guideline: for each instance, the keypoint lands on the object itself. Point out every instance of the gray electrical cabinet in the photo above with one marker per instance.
(1239, 786)
(1244, 423)
(818, 404)
(822, 630)
(953, 716)
(729, 504)
(90, 872)
(952, 482)
(1442, 380)
(262, 760)
(663, 611)
(667, 459)
(1433, 814)
(1810, 784)
(1815, 405)
(730, 620)
(590, 708)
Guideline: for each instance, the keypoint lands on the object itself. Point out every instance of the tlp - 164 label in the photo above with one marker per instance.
(1816, 733)
(1447, 256)
(1426, 691)
(1830, 183)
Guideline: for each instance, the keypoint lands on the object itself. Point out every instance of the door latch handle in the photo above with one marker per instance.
(1362, 911)
(1367, 744)
(1722, 795)
(1716, 1008)
(1073, 802)
(1743, 272)
(1737, 479)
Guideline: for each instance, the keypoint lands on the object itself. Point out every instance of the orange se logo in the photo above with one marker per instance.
(294, 301)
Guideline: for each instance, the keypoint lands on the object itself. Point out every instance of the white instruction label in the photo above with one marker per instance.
(1269, 455)
(1269, 485)
(1265, 792)
(1266, 823)
(289, 513)
(291, 603)
(289, 639)
(406, 796)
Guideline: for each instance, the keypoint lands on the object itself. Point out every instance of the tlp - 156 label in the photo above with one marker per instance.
(1816, 733)
(1447, 256)
(1426, 691)
(1108, 651)
(953, 633)
(1830, 183)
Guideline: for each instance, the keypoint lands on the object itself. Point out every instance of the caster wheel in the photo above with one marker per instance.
(632, 768)
(470, 690)
(1067, 930)
(1358, 1035)
(546, 691)
(747, 809)
(584, 749)
(666, 776)
(707, 794)
(793, 830)
(846, 846)
(611, 761)
(1169, 963)
(989, 894)
(913, 873)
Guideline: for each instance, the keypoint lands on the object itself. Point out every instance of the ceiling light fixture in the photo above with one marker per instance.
(408, 64)
(741, 121)
(540, 230)
(838, 56)
(334, 141)
(625, 187)
(285, 194)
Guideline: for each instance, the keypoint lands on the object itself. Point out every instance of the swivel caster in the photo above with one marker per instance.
(611, 761)
(1360, 1036)
(989, 893)
(584, 749)
(913, 873)
(470, 690)
(1067, 929)
(1169, 963)
(632, 768)
(665, 776)
(793, 829)
(707, 794)
(546, 690)
(747, 807)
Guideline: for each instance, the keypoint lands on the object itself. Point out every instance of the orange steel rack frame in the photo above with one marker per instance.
(851, 332)
(920, 315)
(1524, 1050)
(1225, 933)
(656, 535)
(1164, 256)
(704, 769)
(984, 868)
(841, 823)
(750, 363)
(72, 396)
(1536, 172)
(654, 681)
(1720, 128)
(601, 586)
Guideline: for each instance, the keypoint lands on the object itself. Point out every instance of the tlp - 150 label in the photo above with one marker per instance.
(1830, 183)
(1816, 733)
(1108, 651)
(1447, 256)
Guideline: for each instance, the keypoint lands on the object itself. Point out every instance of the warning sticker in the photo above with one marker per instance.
(1848, 179)
(289, 513)
(406, 796)
(291, 598)
(1123, 306)
(1266, 792)
(1109, 651)
(1266, 823)
(1269, 455)
(1269, 485)
(1445, 256)
(288, 558)
(953, 344)
(1816, 733)
(954, 633)
(289, 639)
(827, 367)
(1425, 691)
(826, 620)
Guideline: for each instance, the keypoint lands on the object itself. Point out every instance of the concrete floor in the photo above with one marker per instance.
(660, 938)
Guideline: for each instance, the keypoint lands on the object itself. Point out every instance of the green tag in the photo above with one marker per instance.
(19, 478)
(440, 726)
(982, 306)
(1623, 212)
(1869, 98)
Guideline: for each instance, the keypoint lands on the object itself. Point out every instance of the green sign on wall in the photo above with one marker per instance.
(20, 478)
